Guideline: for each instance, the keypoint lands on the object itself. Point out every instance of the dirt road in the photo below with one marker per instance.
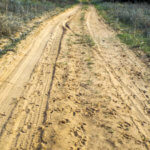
(73, 86)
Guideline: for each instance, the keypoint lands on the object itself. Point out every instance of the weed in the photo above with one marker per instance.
(85, 40)
(82, 16)
(88, 59)
(90, 63)
(85, 7)
(69, 42)
(89, 82)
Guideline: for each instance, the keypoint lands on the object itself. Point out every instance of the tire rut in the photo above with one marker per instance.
(79, 96)
(28, 116)
(126, 90)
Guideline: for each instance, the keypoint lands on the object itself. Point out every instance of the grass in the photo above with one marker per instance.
(19, 13)
(85, 7)
(89, 62)
(14, 20)
(14, 42)
(82, 18)
(85, 39)
(132, 21)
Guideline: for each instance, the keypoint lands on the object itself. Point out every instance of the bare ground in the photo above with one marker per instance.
(60, 91)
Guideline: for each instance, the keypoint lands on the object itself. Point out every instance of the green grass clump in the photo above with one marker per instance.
(88, 40)
(82, 18)
(85, 40)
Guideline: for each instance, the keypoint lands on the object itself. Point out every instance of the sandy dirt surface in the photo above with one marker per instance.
(73, 86)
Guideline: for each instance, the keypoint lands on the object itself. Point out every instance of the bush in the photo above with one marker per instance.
(9, 25)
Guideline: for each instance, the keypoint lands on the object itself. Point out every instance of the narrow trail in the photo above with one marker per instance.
(63, 92)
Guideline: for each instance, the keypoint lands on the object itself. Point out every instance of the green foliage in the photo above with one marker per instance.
(85, 40)
(18, 13)
(85, 1)
(82, 16)
(85, 7)
(14, 42)
(88, 40)
(131, 20)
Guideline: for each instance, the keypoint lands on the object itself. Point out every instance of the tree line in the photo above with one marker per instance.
(130, 1)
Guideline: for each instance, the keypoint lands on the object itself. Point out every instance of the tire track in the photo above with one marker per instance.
(78, 96)
(33, 111)
(135, 97)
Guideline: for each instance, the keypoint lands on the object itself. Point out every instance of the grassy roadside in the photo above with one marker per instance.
(131, 21)
(13, 31)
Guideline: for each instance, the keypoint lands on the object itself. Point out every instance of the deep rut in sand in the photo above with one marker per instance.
(79, 88)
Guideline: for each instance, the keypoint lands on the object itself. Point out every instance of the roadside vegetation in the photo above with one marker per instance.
(131, 20)
(85, 38)
(18, 18)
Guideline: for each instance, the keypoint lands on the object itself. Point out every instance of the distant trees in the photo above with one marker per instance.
(4, 4)
(62, 1)
(132, 1)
